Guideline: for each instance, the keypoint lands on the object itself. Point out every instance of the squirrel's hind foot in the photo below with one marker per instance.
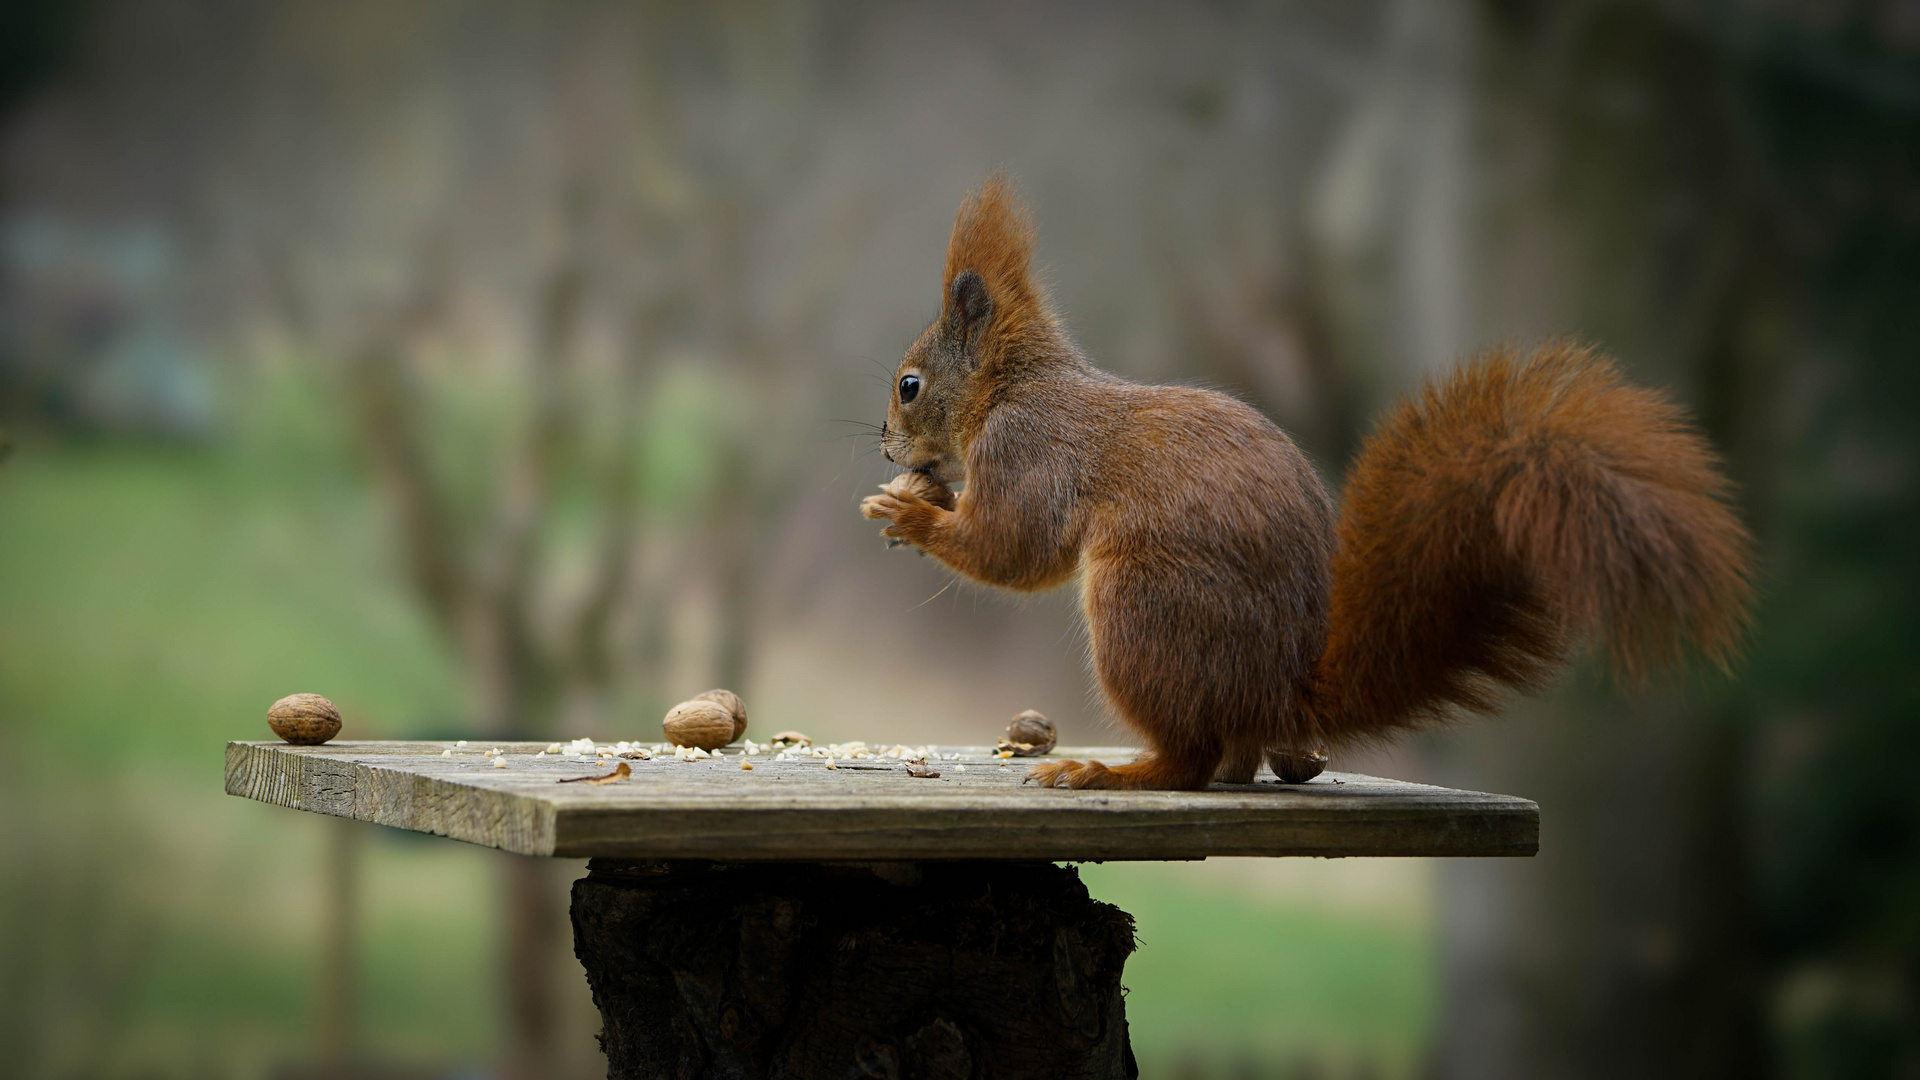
(1065, 774)
(1147, 774)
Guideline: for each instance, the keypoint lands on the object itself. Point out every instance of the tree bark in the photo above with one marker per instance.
(897, 970)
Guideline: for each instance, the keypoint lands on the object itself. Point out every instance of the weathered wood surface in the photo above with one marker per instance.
(862, 810)
(941, 969)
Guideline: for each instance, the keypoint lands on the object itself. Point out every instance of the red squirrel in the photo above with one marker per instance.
(1488, 523)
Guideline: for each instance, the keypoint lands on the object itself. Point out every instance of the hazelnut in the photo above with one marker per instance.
(304, 719)
(1030, 735)
(706, 725)
(924, 486)
(731, 702)
(1296, 767)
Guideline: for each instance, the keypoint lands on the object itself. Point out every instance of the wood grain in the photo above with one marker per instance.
(862, 810)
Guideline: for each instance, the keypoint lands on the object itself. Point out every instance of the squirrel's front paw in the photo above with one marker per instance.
(889, 506)
(909, 489)
(882, 507)
(901, 502)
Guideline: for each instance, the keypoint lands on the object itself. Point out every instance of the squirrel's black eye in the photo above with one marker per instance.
(909, 388)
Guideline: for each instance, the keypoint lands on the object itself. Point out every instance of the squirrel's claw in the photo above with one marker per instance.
(1051, 773)
(882, 507)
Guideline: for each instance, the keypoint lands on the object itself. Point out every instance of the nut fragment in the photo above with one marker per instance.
(704, 725)
(1296, 767)
(304, 719)
(1030, 735)
(790, 738)
(620, 772)
(730, 701)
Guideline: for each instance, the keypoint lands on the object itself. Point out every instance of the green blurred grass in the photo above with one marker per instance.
(153, 601)
(1226, 982)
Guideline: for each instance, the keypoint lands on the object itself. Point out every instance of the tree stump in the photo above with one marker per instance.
(902, 971)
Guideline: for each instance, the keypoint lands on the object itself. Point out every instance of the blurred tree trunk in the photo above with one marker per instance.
(1630, 946)
(337, 1015)
(545, 631)
(487, 577)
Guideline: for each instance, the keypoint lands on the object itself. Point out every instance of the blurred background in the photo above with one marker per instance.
(496, 369)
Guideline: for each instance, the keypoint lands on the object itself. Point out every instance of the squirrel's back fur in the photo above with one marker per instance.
(1489, 523)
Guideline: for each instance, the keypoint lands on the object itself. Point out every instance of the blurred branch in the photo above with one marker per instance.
(1264, 325)
(592, 659)
(512, 558)
(391, 423)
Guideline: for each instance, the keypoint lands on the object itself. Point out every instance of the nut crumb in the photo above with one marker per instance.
(621, 773)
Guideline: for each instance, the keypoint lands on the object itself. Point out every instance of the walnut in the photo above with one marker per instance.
(1297, 767)
(304, 719)
(1030, 735)
(730, 701)
(701, 723)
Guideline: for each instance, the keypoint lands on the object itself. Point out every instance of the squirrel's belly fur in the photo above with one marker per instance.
(1489, 523)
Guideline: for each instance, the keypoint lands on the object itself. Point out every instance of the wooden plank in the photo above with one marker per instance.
(864, 810)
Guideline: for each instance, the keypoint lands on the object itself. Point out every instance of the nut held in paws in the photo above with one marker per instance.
(304, 719)
(731, 702)
(926, 487)
(707, 725)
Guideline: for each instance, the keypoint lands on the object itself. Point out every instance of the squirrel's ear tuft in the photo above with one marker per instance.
(969, 309)
(993, 243)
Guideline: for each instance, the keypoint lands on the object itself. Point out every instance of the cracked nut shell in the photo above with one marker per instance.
(304, 719)
(731, 702)
(1030, 735)
(699, 723)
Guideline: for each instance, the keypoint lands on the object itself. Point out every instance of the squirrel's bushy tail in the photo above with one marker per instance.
(1507, 510)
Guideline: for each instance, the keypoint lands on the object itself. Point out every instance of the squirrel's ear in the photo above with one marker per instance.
(969, 310)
